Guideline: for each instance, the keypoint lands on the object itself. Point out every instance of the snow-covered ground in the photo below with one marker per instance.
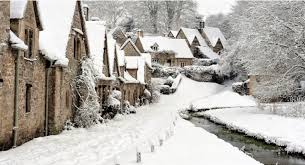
(263, 124)
(119, 139)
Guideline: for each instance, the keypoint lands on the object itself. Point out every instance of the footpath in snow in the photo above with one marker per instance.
(118, 140)
(262, 124)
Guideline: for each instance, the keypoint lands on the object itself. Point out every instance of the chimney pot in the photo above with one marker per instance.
(140, 33)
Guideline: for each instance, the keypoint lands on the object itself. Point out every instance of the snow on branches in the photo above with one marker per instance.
(88, 109)
(268, 40)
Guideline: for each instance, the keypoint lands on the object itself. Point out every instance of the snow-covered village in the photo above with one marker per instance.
(164, 82)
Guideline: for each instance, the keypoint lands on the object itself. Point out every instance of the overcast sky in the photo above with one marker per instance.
(210, 7)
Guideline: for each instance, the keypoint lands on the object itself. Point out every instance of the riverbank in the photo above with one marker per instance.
(256, 148)
(243, 116)
(282, 131)
(119, 139)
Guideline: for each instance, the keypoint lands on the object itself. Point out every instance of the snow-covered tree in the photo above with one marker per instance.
(268, 40)
(88, 111)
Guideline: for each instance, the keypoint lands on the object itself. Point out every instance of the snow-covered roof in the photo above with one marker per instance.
(208, 52)
(174, 33)
(213, 34)
(132, 62)
(120, 55)
(57, 17)
(137, 62)
(130, 41)
(96, 37)
(178, 46)
(17, 8)
(129, 78)
(190, 35)
(111, 43)
(16, 42)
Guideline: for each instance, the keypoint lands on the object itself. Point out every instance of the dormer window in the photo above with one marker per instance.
(155, 47)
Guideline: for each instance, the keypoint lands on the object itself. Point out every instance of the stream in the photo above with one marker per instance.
(268, 154)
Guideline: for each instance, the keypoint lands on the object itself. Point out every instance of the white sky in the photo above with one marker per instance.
(210, 7)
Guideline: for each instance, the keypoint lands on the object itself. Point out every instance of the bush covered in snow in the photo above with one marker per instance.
(241, 87)
(288, 109)
(88, 111)
(204, 73)
(127, 108)
(163, 71)
(205, 62)
(169, 81)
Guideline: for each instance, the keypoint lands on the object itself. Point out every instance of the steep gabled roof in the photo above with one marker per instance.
(96, 31)
(214, 34)
(208, 52)
(18, 9)
(174, 33)
(190, 34)
(57, 17)
(177, 46)
(129, 41)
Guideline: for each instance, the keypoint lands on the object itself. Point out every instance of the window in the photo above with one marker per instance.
(77, 48)
(67, 99)
(155, 47)
(1, 82)
(182, 64)
(28, 93)
(169, 62)
(29, 41)
(155, 60)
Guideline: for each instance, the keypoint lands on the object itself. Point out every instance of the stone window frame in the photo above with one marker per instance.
(28, 97)
(1, 82)
(182, 64)
(68, 98)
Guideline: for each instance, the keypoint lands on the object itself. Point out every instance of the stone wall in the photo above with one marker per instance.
(7, 77)
(61, 78)
(167, 59)
(130, 50)
(31, 73)
(181, 62)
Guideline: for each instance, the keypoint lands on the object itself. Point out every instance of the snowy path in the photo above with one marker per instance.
(101, 144)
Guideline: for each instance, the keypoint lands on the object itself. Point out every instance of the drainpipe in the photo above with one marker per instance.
(16, 99)
(47, 101)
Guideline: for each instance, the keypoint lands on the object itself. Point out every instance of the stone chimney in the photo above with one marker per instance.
(5, 21)
(140, 33)
(201, 26)
(86, 11)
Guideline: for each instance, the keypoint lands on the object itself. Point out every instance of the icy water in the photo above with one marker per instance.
(268, 154)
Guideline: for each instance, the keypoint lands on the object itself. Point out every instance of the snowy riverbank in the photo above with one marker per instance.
(118, 139)
(245, 117)
(282, 131)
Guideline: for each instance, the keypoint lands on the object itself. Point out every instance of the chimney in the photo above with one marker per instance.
(201, 26)
(140, 33)
(86, 11)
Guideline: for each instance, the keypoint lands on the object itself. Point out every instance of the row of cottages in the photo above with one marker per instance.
(204, 42)
(164, 50)
(119, 63)
(41, 46)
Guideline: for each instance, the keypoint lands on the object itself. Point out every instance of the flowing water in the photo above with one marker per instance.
(268, 154)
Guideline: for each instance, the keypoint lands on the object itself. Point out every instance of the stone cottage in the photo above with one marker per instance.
(37, 66)
(63, 42)
(165, 51)
(204, 42)
(111, 53)
(22, 74)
